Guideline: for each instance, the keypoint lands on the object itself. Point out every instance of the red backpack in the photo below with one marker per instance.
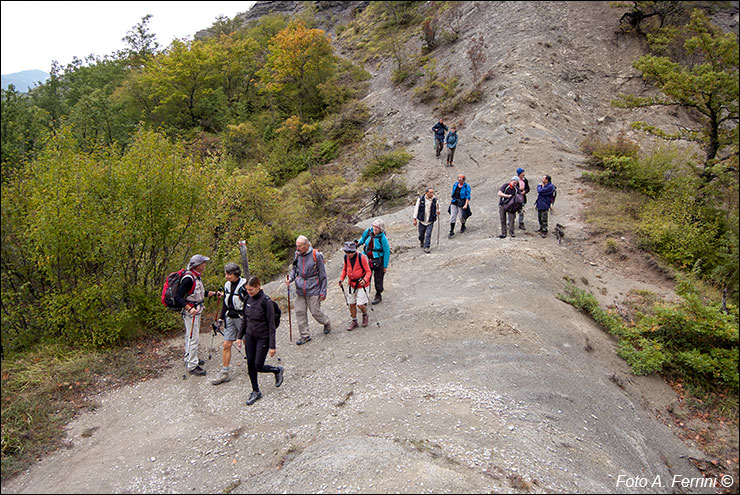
(171, 285)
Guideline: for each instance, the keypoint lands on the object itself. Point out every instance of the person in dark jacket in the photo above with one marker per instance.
(545, 198)
(426, 212)
(506, 192)
(258, 333)
(439, 130)
(190, 296)
(524, 187)
(451, 141)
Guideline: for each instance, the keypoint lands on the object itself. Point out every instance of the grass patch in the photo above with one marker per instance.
(385, 163)
(42, 390)
(613, 211)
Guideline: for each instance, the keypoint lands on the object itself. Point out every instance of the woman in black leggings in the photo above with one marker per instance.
(258, 332)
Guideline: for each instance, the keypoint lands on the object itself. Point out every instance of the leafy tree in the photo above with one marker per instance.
(142, 44)
(300, 59)
(708, 84)
(22, 129)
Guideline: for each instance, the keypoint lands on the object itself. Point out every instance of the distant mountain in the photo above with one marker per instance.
(25, 80)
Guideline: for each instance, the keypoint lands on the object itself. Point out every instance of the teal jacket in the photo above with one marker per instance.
(381, 248)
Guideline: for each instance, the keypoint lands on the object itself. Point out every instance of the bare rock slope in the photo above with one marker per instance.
(472, 376)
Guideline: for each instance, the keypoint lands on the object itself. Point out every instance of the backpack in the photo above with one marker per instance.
(278, 313)
(514, 203)
(352, 265)
(233, 298)
(171, 285)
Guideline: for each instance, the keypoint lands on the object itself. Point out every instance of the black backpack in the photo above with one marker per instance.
(278, 313)
(171, 285)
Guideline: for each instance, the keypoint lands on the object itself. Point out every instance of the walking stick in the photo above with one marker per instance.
(345, 294)
(371, 306)
(290, 322)
(437, 231)
(213, 334)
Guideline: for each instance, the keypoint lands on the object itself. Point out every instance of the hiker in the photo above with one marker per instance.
(235, 293)
(190, 295)
(524, 188)
(451, 141)
(545, 199)
(439, 130)
(309, 273)
(378, 251)
(258, 332)
(357, 270)
(426, 212)
(460, 204)
(507, 209)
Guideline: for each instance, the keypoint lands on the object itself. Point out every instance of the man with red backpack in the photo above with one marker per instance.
(357, 270)
(309, 273)
(190, 296)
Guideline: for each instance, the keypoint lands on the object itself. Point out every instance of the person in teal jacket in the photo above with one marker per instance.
(451, 141)
(379, 252)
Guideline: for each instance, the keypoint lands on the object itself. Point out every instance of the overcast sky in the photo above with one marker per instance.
(35, 33)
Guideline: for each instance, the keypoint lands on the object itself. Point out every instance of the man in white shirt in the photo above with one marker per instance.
(426, 212)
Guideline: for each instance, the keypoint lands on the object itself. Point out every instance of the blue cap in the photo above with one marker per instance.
(519, 171)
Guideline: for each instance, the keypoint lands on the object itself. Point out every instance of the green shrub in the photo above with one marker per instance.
(386, 163)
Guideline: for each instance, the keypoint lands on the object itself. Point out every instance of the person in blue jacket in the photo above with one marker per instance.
(379, 252)
(460, 203)
(451, 141)
(439, 130)
(545, 198)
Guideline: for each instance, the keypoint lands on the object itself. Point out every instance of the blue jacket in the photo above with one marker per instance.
(544, 196)
(381, 248)
(452, 140)
(439, 130)
(464, 191)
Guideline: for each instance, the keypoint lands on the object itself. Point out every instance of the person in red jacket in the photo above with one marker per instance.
(357, 270)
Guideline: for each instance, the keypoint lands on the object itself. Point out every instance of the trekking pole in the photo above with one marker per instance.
(371, 306)
(345, 294)
(213, 334)
(290, 321)
(437, 232)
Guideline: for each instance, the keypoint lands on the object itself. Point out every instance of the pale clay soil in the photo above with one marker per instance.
(478, 379)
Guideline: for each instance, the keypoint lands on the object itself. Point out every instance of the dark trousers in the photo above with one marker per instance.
(542, 217)
(256, 351)
(425, 233)
(378, 275)
(450, 155)
(438, 143)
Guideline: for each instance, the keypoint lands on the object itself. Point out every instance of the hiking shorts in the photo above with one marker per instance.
(358, 296)
(231, 328)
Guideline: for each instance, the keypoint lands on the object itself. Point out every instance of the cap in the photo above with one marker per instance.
(197, 260)
(519, 171)
(349, 247)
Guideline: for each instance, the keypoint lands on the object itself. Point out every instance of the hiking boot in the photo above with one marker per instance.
(364, 319)
(377, 299)
(221, 378)
(421, 243)
(201, 362)
(352, 325)
(327, 329)
(512, 234)
(254, 397)
(426, 250)
(303, 340)
(502, 236)
(279, 376)
(450, 235)
(197, 371)
(462, 228)
(544, 234)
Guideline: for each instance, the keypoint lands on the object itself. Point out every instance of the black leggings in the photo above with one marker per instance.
(256, 351)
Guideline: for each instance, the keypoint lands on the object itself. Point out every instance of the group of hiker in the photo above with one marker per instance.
(248, 315)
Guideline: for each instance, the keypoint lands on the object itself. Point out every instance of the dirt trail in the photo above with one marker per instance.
(478, 379)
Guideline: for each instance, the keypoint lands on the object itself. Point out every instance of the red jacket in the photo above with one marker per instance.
(356, 269)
